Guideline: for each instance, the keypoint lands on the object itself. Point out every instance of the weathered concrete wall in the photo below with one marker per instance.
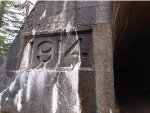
(102, 52)
(93, 22)
(103, 59)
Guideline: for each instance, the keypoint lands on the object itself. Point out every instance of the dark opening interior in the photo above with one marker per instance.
(132, 74)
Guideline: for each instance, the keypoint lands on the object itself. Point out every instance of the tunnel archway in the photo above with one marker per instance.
(132, 58)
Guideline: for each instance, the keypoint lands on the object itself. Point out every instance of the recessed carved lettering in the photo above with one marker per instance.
(72, 47)
(44, 51)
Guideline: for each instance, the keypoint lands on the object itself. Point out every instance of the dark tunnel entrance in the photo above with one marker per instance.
(132, 76)
(132, 58)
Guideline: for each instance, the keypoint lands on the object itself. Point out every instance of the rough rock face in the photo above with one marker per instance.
(60, 59)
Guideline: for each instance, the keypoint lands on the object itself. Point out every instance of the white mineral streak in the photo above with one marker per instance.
(69, 68)
(60, 19)
(59, 53)
(69, 28)
(54, 99)
(110, 110)
(30, 81)
(43, 15)
(1, 94)
(10, 89)
(64, 10)
(73, 75)
(23, 75)
(76, 48)
(31, 55)
(26, 57)
(7, 99)
(12, 85)
(18, 100)
(41, 79)
(33, 31)
(75, 79)
(36, 78)
(32, 77)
